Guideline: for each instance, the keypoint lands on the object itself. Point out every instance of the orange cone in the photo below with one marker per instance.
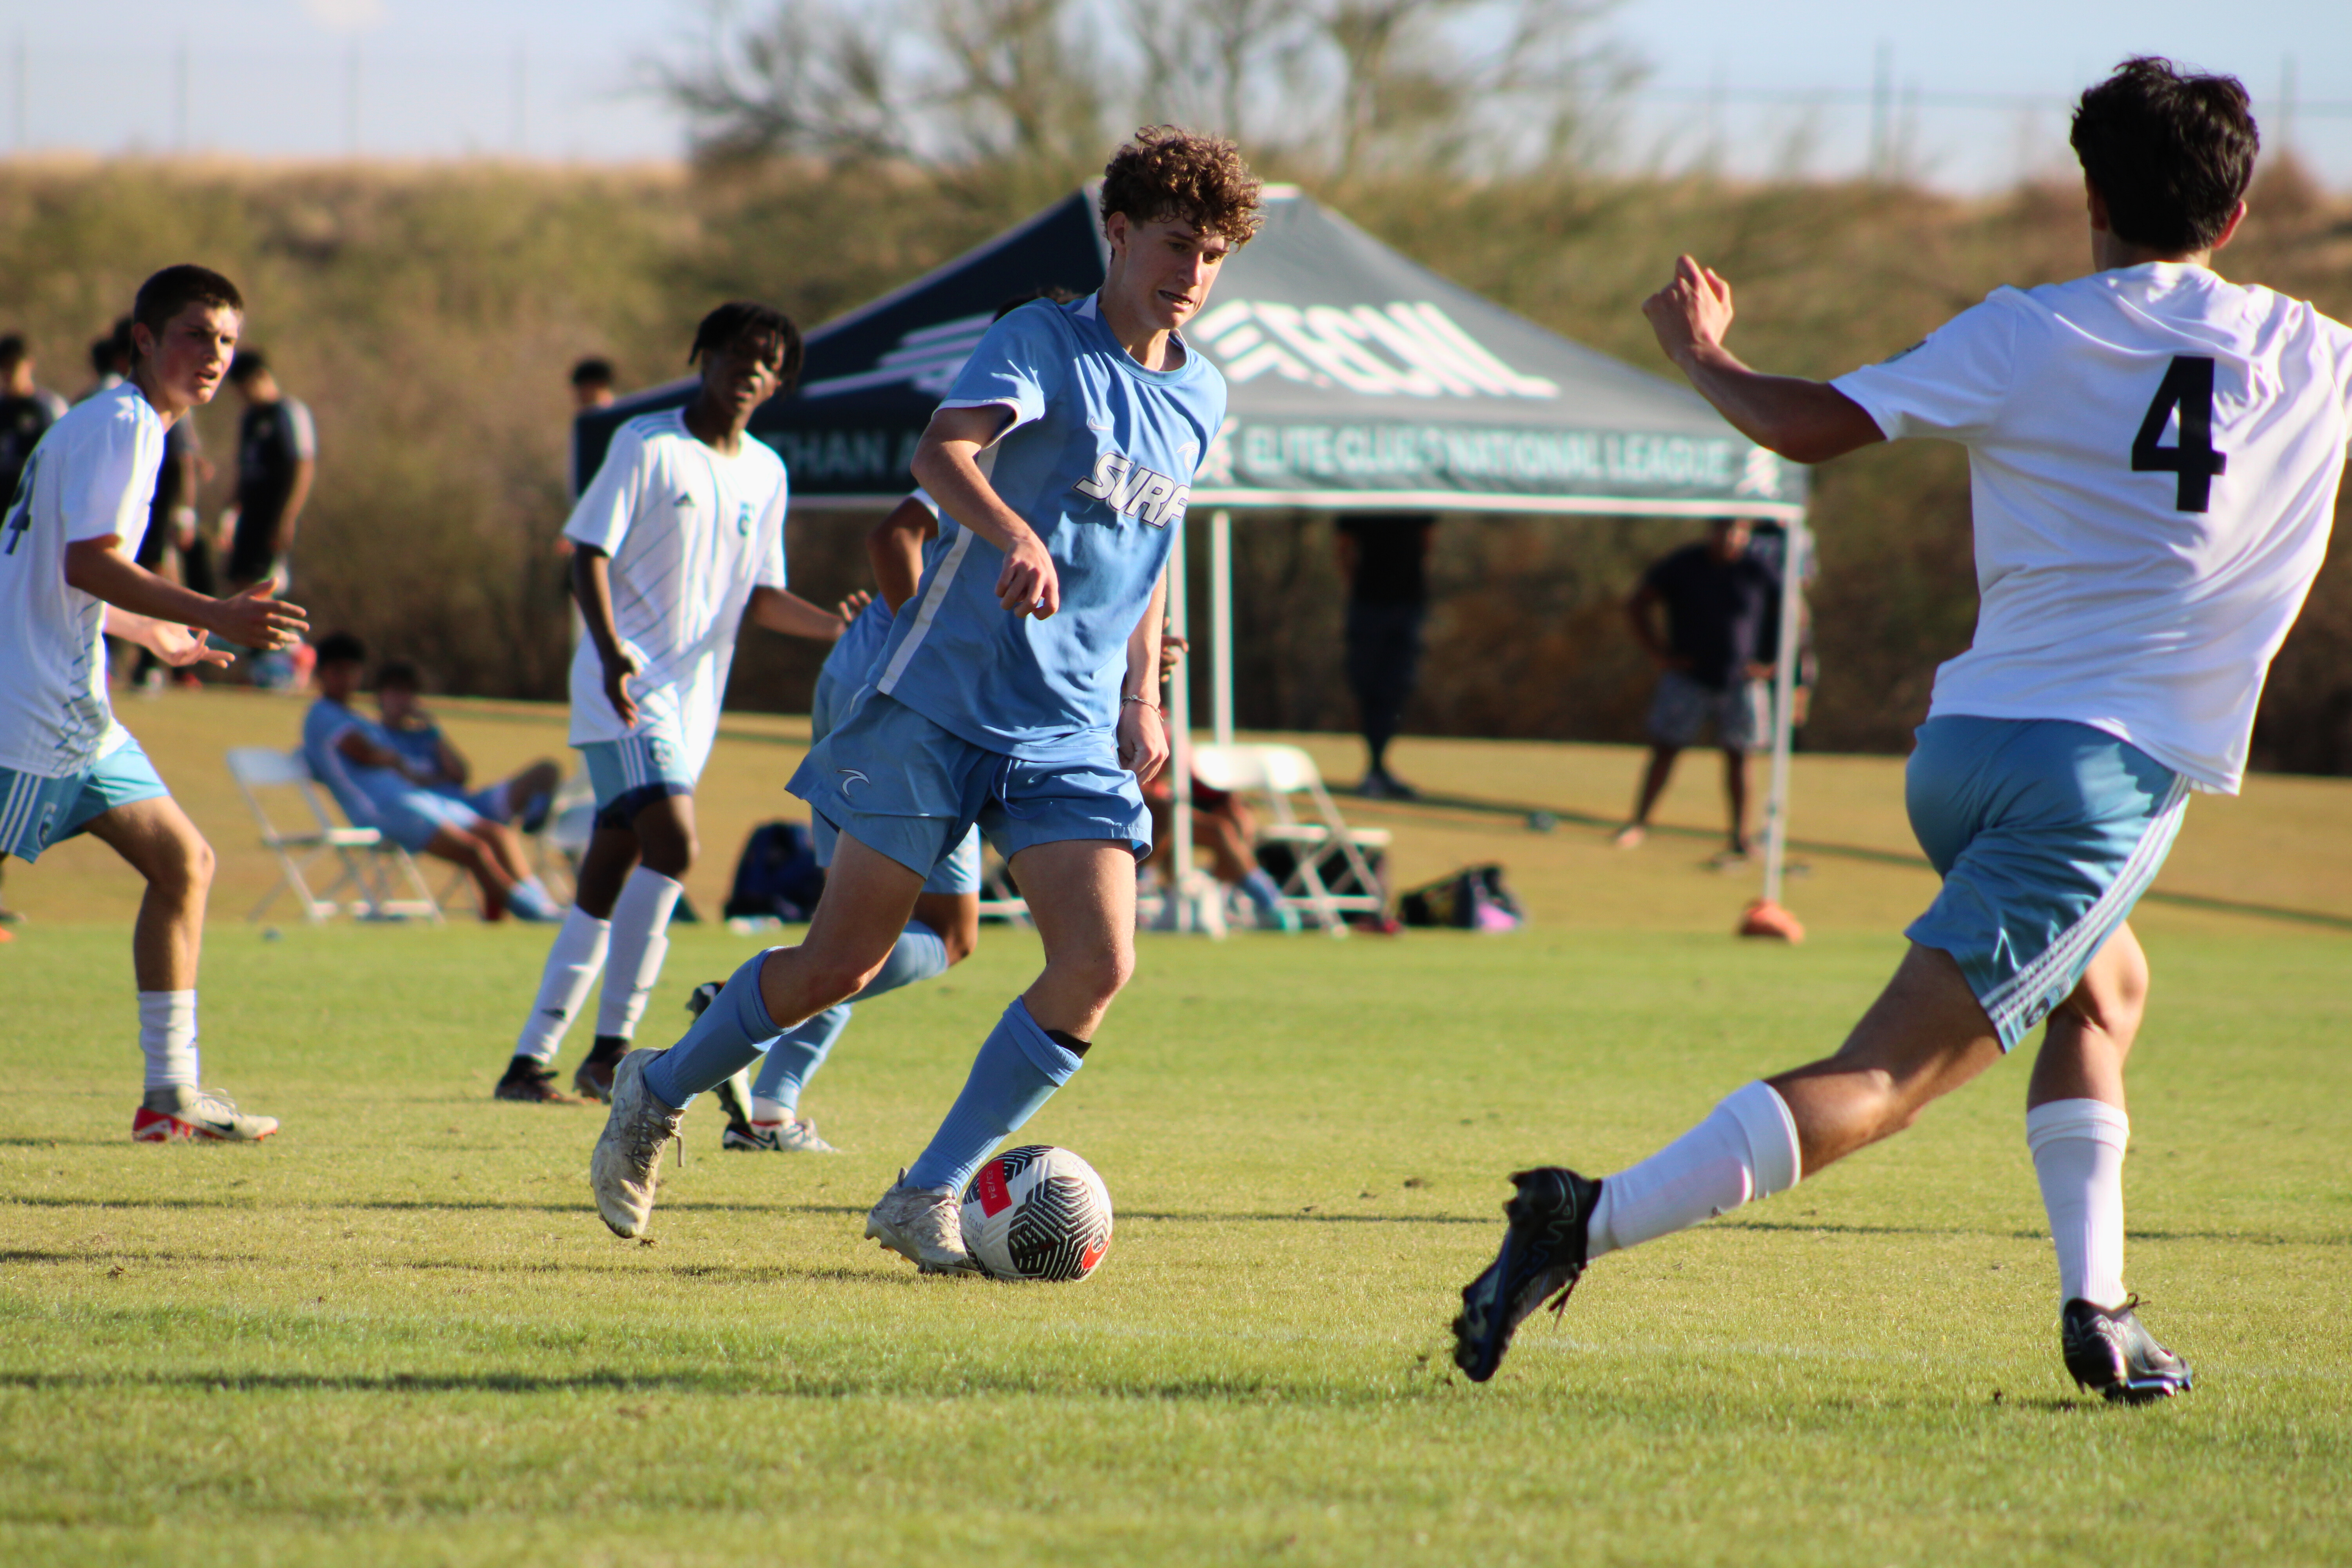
(1767, 918)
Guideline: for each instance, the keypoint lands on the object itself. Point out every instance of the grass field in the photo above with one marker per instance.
(396, 1332)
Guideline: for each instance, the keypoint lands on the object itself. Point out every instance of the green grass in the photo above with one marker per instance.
(396, 1332)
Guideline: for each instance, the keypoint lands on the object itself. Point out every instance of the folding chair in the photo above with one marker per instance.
(363, 861)
(999, 899)
(1282, 775)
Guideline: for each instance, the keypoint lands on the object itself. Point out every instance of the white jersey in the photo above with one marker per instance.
(2153, 454)
(93, 474)
(689, 533)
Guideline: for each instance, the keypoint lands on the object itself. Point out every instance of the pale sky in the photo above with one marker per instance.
(1978, 88)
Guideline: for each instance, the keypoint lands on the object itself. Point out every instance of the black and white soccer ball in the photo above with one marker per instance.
(1036, 1213)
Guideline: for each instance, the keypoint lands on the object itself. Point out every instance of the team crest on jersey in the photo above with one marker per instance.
(1126, 487)
(743, 521)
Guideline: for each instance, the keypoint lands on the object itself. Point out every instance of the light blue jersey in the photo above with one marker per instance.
(1099, 459)
(356, 789)
(852, 662)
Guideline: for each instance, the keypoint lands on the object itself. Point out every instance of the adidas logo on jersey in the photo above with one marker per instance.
(1129, 487)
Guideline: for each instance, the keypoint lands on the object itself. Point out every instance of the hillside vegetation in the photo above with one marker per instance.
(428, 315)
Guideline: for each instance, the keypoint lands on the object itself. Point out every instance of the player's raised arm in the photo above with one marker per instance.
(1804, 421)
(104, 570)
(947, 464)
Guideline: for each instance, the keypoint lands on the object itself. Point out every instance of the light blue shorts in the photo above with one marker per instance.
(488, 803)
(632, 773)
(37, 812)
(2046, 833)
(900, 784)
(411, 817)
(832, 705)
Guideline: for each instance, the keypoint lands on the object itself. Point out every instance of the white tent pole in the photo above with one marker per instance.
(1793, 555)
(1221, 624)
(1179, 742)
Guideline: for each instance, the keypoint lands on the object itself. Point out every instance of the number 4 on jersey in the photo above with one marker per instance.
(2188, 386)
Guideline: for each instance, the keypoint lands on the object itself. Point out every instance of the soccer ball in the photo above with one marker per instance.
(1036, 1213)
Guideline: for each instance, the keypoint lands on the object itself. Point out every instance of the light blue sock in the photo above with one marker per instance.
(733, 1030)
(793, 1059)
(1018, 1069)
(919, 954)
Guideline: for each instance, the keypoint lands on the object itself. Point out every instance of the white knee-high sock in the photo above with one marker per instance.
(2078, 1154)
(167, 1034)
(1746, 1149)
(640, 939)
(572, 964)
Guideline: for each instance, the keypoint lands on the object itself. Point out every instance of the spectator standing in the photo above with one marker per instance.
(592, 384)
(26, 412)
(277, 457)
(1385, 560)
(110, 360)
(1723, 620)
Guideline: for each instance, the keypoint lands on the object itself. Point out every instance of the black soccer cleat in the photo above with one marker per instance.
(698, 1000)
(2113, 1353)
(1543, 1254)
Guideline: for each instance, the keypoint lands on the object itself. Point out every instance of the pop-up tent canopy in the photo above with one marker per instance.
(1360, 382)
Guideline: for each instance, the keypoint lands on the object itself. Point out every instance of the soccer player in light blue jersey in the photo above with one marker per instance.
(1017, 690)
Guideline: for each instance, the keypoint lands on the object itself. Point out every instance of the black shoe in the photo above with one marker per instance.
(1543, 1252)
(2113, 1353)
(532, 1083)
(698, 1001)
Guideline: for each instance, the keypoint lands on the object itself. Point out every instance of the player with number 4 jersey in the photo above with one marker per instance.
(2153, 458)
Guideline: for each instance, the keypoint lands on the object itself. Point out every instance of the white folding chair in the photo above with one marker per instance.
(364, 861)
(1282, 777)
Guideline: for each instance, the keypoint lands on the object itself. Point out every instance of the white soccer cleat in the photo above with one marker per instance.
(923, 1226)
(775, 1137)
(625, 1168)
(196, 1115)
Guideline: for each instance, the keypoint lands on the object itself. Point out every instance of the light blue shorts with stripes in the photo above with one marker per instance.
(37, 812)
(632, 773)
(2046, 833)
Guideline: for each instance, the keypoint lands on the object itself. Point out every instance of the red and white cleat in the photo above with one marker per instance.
(174, 1115)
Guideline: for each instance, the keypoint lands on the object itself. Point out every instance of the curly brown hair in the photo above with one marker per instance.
(1167, 172)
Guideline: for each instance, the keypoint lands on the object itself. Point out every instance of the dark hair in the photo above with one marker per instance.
(2170, 154)
(1053, 292)
(738, 317)
(12, 351)
(174, 288)
(342, 648)
(592, 372)
(249, 364)
(1169, 173)
(401, 673)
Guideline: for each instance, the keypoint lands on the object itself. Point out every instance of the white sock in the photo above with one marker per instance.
(1746, 1149)
(766, 1110)
(2078, 1153)
(572, 965)
(640, 939)
(167, 1034)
